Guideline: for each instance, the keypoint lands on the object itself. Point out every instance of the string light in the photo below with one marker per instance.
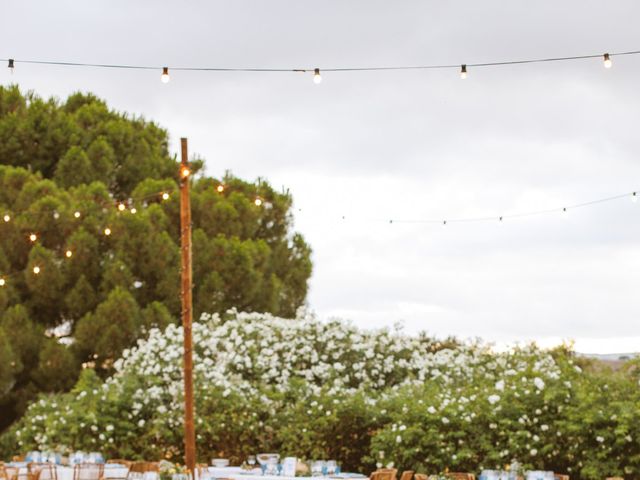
(634, 197)
(68, 253)
(107, 231)
(317, 78)
(220, 188)
(607, 61)
(7, 218)
(36, 270)
(372, 68)
(33, 237)
(121, 207)
(3, 282)
(185, 172)
(134, 210)
(463, 72)
(165, 196)
(258, 201)
(164, 78)
(76, 214)
(11, 65)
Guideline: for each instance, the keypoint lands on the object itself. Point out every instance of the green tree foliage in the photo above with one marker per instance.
(64, 167)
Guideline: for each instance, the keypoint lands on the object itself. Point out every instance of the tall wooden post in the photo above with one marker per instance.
(187, 313)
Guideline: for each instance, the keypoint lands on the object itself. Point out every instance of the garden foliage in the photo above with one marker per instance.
(317, 389)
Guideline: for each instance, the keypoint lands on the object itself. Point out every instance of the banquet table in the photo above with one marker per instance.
(111, 470)
(237, 473)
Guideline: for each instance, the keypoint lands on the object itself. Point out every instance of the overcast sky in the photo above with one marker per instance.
(398, 145)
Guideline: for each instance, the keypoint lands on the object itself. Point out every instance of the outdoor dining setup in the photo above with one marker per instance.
(264, 466)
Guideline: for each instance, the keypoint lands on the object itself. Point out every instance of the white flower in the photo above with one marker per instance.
(600, 439)
(533, 452)
(445, 420)
(500, 385)
(398, 439)
(493, 399)
(539, 383)
(141, 423)
(544, 427)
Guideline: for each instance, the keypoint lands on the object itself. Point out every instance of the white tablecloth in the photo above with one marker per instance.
(236, 473)
(66, 473)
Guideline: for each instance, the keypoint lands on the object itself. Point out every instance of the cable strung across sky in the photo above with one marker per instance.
(317, 78)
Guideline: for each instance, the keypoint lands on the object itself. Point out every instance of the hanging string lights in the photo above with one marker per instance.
(317, 77)
(164, 78)
(259, 202)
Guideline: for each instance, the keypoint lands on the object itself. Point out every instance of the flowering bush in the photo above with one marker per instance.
(327, 389)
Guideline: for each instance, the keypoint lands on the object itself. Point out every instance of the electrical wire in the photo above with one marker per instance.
(327, 69)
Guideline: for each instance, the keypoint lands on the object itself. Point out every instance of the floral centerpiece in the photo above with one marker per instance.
(172, 471)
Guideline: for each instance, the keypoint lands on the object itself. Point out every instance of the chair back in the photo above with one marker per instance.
(461, 476)
(384, 474)
(41, 471)
(407, 475)
(88, 471)
(8, 473)
(559, 476)
(420, 476)
(138, 468)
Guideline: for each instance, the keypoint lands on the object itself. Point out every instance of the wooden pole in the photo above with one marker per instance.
(187, 312)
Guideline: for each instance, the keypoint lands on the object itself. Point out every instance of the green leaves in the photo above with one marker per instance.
(64, 167)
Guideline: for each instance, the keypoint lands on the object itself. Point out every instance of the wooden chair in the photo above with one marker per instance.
(9, 473)
(559, 476)
(41, 471)
(142, 467)
(407, 475)
(384, 474)
(88, 471)
(615, 478)
(460, 476)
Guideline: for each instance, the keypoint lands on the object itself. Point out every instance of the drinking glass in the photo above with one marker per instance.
(331, 467)
(316, 468)
(251, 460)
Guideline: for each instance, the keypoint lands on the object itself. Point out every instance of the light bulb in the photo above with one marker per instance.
(185, 172)
(76, 214)
(134, 210)
(7, 218)
(634, 197)
(258, 201)
(121, 207)
(607, 61)
(463, 72)
(165, 196)
(317, 78)
(165, 75)
(444, 223)
(107, 231)
(565, 212)
(11, 65)
(36, 270)
(220, 188)
(56, 215)
(33, 237)
(2, 282)
(68, 253)
(500, 220)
